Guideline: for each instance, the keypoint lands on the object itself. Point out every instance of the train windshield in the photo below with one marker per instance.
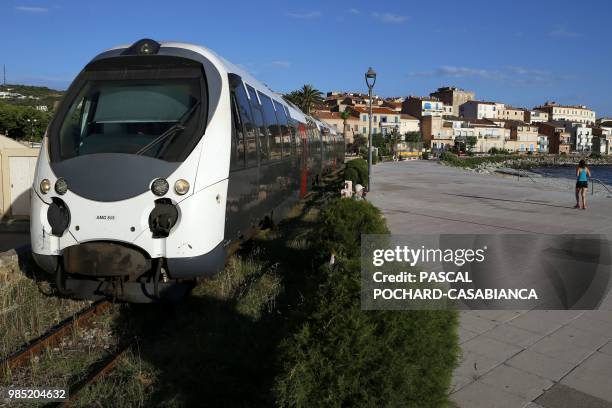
(135, 108)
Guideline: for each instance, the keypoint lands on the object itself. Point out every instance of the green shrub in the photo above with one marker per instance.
(361, 167)
(374, 159)
(472, 162)
(343, 222)
(351, 173)
(425, 155)
(449, 157)
(344, 356)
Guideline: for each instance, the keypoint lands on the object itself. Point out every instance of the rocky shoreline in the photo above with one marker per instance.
(521, 168)
(527, 163)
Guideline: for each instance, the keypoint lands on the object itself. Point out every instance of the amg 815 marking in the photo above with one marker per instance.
(160, 156)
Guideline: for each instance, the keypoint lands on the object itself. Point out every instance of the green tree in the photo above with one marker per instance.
(413, 136)
(293, 97)
(345, 115)
(23, 122)
(471, 142)
(307, 98)
(360, 142)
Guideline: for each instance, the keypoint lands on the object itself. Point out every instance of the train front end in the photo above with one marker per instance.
(128, 200)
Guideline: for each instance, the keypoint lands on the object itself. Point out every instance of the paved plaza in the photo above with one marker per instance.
(550, 359)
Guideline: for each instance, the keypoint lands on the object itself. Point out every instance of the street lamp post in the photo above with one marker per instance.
(370, 78)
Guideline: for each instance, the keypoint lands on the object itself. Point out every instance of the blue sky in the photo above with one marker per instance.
(519, 52)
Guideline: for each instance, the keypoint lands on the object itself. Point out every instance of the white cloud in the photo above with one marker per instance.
(304, 15)
(281, 64)
(514, 74)
(354, 11)
(31, 9)
(563, 32)
(390, 18)
(448, 71)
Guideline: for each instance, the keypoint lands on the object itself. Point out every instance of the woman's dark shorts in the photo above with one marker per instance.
(582, 184)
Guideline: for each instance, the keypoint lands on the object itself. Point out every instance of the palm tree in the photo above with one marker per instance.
(344, 115)
(306, 98)
(311, 97)
(294, 97)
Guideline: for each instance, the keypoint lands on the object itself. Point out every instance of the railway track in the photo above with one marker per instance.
(84, 318)
(54, 336)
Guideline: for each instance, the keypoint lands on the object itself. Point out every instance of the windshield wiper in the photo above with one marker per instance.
(172, 131)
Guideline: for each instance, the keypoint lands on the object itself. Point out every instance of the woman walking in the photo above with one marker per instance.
(582, 184)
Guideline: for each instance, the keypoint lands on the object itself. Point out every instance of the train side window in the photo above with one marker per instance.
(237, 158)
(298, 133)
(250, 129)
(274, 136)
(284, 128)
(316, 138)
(260, 124)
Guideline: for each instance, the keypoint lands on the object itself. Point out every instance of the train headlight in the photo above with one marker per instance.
(45, 186)
(61, 186)
(160, 187)
(181, 187)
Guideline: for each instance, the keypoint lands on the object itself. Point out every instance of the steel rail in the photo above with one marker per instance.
(54, 335)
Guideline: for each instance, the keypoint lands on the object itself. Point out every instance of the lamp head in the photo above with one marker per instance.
(370, 77)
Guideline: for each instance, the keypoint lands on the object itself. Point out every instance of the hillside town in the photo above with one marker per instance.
(452, 118)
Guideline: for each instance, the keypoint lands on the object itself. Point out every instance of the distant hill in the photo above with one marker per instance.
(28, 95)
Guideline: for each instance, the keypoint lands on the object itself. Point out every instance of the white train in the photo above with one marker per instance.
(159, 156)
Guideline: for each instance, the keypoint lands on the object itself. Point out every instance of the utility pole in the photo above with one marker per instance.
(4, 72)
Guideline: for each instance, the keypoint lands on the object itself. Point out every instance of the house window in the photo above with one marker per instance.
(522, 148)
(364, 129)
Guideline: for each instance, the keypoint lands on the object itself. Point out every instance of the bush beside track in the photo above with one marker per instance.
(356, 170)
(344, 356)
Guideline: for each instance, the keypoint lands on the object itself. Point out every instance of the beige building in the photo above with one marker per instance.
(393, 105)
(453, 97)
(602, 140)
(570, 113)
(523, 137)
(409, 123)
(535, 116)
(384, 120)
(559, 141)
(336, 121)
(481, 110)
(488, 134)
(339, 101)
(437, 133)
(420, 107)
(510, 113)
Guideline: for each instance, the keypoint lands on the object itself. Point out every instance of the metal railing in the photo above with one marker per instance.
(518, 174)
(593, 180)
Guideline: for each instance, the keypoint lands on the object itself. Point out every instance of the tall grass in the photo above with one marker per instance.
(26, 310)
